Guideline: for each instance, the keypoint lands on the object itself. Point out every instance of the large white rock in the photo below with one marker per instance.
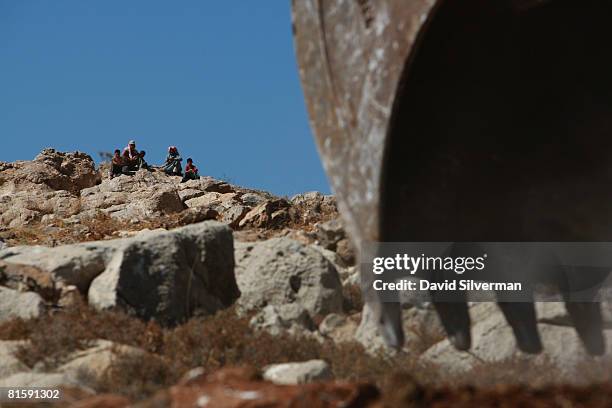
(170, 275)
(312, 204)
(74, 265)
(252, 199)
(203, 200)
(90, 365)
(298, 373)
(190, 193)
(25, 305)
(278, 319)
(280, 271)
(339, 328)
(421, 326)
(48, 184)
(142, 196)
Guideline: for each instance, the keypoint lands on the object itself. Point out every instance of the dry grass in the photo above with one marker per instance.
(53, 337)
(211, 342)
(97, 228)
(227, 340)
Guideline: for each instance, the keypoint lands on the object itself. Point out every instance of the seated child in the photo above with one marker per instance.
(116, 164)
(191, 171)
(142, 164)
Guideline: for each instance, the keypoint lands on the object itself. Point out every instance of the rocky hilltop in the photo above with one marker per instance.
(64, 192)
(144, 289)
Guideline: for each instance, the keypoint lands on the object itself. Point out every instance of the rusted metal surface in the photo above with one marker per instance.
(515, 81)
(351, 55)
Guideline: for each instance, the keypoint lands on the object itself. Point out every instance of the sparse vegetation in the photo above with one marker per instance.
(210, 342)
(100, 227)
(226, 340)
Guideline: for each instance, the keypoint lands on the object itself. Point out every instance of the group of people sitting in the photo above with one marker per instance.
(132, 160)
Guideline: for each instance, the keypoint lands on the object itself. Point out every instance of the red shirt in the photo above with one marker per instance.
(191, 168)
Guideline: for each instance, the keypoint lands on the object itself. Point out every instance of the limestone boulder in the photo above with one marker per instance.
(283, 318)
(50, 170)
(329, 233)
(49, 184)
(142, 196)
(26, 278)
(252, 199)
(298, 373)
(24, 305)
(312, 205)
(340, 328)
(421, 325)
(209, 185)
(74, 265)
(90, 365)
(170, 275)
(280, 271)
(269, 214)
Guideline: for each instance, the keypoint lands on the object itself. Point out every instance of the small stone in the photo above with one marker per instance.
(298, 373)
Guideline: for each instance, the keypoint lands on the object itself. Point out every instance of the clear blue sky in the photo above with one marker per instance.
(216, 78)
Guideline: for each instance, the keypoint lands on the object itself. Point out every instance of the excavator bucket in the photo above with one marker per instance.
(464, 120)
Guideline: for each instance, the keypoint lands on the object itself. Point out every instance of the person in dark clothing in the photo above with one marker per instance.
(172, 166)
(142, 164)
(116, 164)
(191, 171)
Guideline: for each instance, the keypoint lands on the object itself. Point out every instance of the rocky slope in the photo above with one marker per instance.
(185, 279)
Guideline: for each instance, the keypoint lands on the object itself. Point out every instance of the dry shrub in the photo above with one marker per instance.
(226, 339)
(350, 361)
(15, 329)
(212, 342)
(26, 235)
(137, 377)
(513, 370)
(103, 226)
(100, 227)
(54, 336)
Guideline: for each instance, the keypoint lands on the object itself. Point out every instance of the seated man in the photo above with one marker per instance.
(130, 158)
(116, 164)
(142, 164)
(172, 166)
(191, 171)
